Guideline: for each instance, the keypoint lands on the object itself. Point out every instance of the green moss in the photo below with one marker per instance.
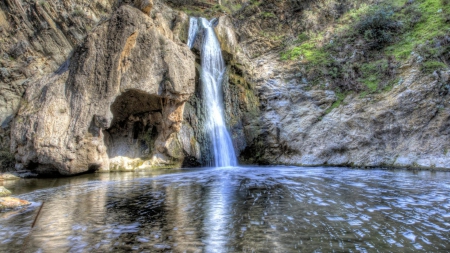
(432, 23)
(268, 15)
(363, 94)
(390, 85)
(309, 53)
(431, 66)
(255, 2)
(340, 98)
(373, 73)
(302, 37)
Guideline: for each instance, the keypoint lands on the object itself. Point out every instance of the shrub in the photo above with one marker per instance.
(378, 27)
(431, 66)
(7, 161)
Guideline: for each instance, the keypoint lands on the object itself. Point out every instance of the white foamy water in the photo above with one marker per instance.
(212, 76)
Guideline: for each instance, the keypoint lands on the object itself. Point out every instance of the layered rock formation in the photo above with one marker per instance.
(120, 97)
(406, 127)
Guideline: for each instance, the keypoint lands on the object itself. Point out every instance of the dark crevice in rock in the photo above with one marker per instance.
(137, 121)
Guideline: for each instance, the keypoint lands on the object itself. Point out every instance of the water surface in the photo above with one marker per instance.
(249, 209)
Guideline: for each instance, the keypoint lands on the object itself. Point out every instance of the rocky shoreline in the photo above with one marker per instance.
(7, 202)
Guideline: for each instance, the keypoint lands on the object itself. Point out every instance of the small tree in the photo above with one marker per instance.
(378, 27)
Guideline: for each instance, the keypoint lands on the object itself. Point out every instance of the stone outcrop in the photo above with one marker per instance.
(37, 37)
(125, 86)
(276, 117)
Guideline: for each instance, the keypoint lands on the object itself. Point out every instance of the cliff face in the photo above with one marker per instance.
(37, 37)
(128, 95)
(405, 127)
(324, 98)
(119, 99)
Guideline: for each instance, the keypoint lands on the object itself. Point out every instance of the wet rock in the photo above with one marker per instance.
(10, 202)
(8, 176)
(4, 192)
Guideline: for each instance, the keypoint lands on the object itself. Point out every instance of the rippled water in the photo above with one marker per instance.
(251, 209)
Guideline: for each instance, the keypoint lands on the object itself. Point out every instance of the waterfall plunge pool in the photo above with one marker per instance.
(240, 209)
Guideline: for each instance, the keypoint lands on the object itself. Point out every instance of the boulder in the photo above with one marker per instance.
(8, 176)
(4, 192)
(9, 203)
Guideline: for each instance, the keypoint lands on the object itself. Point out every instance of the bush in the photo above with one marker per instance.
(7, 161)
(431, 66)
(378, 27)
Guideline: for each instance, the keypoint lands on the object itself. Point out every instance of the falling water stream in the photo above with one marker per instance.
(212, 76)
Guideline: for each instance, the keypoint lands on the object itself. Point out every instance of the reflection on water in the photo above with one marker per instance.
(251, 209)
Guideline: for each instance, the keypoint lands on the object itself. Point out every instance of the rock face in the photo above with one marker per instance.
(37, 37)
(128, 96)
(125, 86)
(277, 118)
(406, 127)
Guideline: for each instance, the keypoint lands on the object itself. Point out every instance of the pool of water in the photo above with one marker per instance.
(244, 209)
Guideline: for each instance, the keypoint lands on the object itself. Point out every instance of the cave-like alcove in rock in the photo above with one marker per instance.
(136, 123)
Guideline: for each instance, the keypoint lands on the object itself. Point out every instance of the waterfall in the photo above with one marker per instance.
(193, 29)
(213, 71)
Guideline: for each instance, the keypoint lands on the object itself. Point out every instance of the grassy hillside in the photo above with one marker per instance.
(362, 49)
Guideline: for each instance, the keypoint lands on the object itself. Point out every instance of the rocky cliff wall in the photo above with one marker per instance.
(305, 120)
(116, 104)
(103, 107)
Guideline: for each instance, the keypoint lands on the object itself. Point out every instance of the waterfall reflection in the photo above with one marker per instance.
(234, 210)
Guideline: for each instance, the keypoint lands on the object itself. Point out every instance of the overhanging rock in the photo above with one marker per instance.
(65, 121)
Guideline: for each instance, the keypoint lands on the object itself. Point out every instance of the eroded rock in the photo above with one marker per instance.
(127, 67)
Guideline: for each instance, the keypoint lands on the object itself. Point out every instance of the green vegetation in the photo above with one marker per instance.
(431, 66)
(7, 161)
(337, 103)
(308, 52)
(370, 42)
(378, 27)
(268, 15)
